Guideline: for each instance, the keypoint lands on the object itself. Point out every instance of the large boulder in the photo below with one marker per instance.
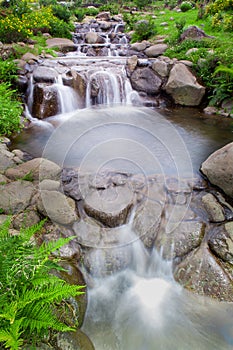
(219, 168)
(37, 168)
(63, 44)
(144, 79)
(44, 74)
(221, 241)
(202, 272)
(94, 38)
(16, 196)
(110, 206)
(6, 158)
(45, 101)
(194, 33)
(156, 50)
(183, 86)
(57, 207)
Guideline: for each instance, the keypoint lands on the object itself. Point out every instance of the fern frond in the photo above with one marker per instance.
(11, 336)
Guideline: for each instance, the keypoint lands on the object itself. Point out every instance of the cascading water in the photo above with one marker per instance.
(68, 99)
(143, 308)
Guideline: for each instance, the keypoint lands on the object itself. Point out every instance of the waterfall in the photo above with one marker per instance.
(69, 100)
(108, 87)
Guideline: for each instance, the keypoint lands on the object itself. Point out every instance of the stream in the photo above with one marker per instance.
(140, 307)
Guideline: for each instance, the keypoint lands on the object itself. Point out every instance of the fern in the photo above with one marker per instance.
(30, 294)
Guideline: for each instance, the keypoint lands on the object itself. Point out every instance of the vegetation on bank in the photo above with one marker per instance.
(27, 20)
(30, 294)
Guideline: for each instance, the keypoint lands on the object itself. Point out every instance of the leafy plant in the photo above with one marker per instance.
(143, 30)
(8, 71)
(61, 12)
(185, 6)
(29, 292)
(10, 110)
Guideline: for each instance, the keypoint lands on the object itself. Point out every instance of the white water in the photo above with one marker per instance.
(69, 100)
(143, 308)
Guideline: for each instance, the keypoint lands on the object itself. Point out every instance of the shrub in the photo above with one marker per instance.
(185, 6)
(61, 12)
(10, 111)
(60, 28)
(143, 30)
(13, 29)
(30, 294)
(79, 14)
(8, 71)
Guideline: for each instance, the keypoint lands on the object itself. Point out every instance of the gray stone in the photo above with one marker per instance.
(160, 67)
(91, 37)
(110, 206)
(201, 273)
(146, 221)
(210, 110)
(144, 79)
(6, 158)
(15, 196)
(3, 218)
(29, 57)
(25, 219)
(220, 241)
(88, 232)
(49, 185)
(139, 46)
(192, 50)
(213, 208)
(104, 16)
(44, 74)
(186, 236)
(156, 50)
(64, 45)
(219, 168)
(57, 207)
(194, 33)
(183, 86)
(38, 168)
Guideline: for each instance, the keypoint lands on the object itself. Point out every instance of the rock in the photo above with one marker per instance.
(201, 272)
(57, 207)
(15, 196)
(194, 33)
(3, 218)
(91, 37)
(227, 105)
(220, 241)
(183, 86)
(49, 185)
(160, 67)
(45, 101)
(44, 74)
(139, 46)
(192, 50)
(146, 221)
(38, 168)
(186, 236)
(213, 208)
(105, 262)
(219, 168)
(187, 63)
(144, 79)
(110, 206)
(156, 50)
(131, 64)
(210, 110)
(29, 57)
(64, 45)
(105, 25)
(79, 83)
(88, 232)
(25, 219)
(103, 16)
(3, 179)
(6, 158)
(74, 341)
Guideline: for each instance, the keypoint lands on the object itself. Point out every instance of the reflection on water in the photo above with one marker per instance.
(143, 308)
(128, 138)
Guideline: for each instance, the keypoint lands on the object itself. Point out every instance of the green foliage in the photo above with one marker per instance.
(142, 3)
(222, 14)
(112, 8)
(10, 110)
(21, 7)
(61, 12)
(222, 84)
(61, 29)
(79, 14)
(29, 293)
(143, 30)
(185, 6)
(8, 71)
(47, 2)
